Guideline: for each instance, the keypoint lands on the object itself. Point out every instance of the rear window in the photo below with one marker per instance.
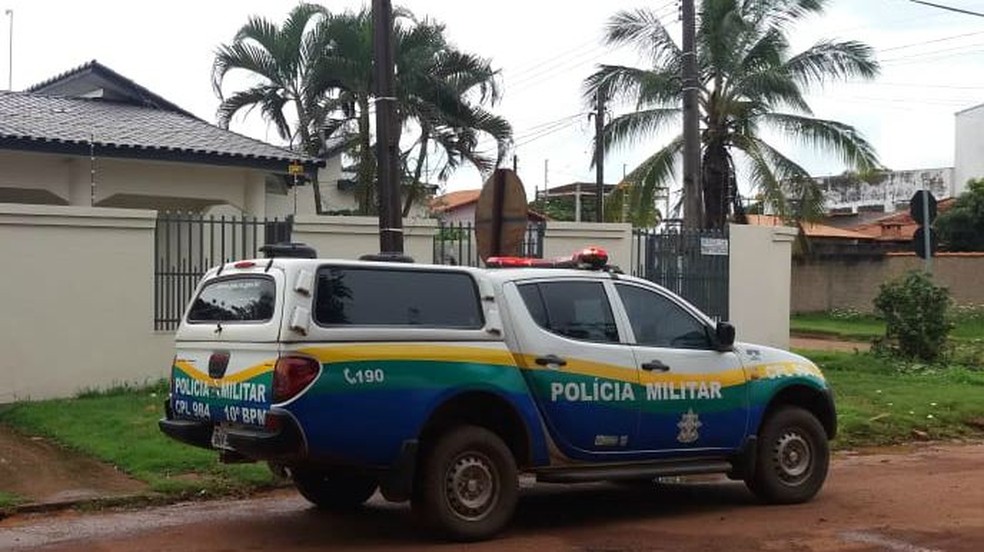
(239, 299)
(392, 297)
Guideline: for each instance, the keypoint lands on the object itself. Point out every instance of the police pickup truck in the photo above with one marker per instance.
(442, 385)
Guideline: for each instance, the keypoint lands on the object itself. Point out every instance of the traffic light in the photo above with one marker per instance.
(922, 207)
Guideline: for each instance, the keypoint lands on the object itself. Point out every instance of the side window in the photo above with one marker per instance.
(353, 296)
(578, 310)
(659, 322)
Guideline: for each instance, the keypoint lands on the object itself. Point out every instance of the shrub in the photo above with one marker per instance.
(916, 313)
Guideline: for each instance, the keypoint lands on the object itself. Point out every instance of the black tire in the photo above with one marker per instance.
(792, 457)
(334, 490)
(481, 467)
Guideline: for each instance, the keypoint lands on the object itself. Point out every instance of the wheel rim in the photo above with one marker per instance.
(793, 458)
(471, 486)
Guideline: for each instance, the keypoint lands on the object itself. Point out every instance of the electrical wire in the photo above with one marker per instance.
(947, 8)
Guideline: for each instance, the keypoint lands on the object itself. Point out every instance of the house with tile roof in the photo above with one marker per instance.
(459, 207)
(94, 138)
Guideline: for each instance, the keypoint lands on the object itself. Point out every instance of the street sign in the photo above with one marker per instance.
(917, 208)
(295, 169)
(500, 215)
(919, 241)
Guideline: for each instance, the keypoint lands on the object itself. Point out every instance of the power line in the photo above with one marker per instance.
(946, 52)
(915, 85)
(948, 8)
(933, 41)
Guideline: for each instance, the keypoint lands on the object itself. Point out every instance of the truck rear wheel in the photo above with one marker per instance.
(792, 459)
(334, 490)
(467, 486)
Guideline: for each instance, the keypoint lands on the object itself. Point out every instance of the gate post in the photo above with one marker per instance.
(760, 267)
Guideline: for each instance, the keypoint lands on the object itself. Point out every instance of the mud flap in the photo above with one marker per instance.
(743, 462)
(396, 483)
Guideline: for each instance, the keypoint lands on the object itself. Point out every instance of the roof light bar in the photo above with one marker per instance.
(591, 258)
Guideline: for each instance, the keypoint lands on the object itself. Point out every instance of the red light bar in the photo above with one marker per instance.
(244, 264)
(517, 262)
(593, 258)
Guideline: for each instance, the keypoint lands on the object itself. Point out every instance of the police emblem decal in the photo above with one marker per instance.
(689, 424)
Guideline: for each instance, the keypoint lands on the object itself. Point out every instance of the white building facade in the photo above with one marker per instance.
(969, 156)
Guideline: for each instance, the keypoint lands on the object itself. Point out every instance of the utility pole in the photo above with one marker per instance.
(546, 182)
(387, 155)
(693, 203)
(10, 52)
(599, 157)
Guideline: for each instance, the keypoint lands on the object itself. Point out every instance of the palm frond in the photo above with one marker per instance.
(643, 30)
(632, 127)
(829, 59)
(839, 138)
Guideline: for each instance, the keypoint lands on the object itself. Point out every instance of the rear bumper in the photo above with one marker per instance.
(283, 443)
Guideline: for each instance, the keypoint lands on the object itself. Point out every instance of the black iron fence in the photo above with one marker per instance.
(690, 263)
(188, 245)
(455, 244)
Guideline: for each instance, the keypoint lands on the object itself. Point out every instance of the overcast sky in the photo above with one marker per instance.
(932, 67)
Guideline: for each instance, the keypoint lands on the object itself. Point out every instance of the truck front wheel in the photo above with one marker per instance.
(792, 459)
(333, 490)
(467, 486)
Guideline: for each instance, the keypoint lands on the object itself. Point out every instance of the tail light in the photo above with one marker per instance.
(292, 375)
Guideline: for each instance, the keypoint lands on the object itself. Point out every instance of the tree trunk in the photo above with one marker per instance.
(303, 122)
(716, 176)
(367, 163)
(415, 185)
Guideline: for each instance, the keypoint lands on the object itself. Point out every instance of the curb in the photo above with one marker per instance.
(98, 502)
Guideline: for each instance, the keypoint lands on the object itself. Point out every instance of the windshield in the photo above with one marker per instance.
(238, 299)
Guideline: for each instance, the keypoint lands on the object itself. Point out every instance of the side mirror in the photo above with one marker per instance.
(724, 336)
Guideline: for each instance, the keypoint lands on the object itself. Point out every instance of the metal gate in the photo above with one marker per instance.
(691, 263)
(454, 243)
(187, 245)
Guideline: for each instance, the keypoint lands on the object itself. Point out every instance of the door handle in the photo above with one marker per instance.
(551, 360)
(655, 366)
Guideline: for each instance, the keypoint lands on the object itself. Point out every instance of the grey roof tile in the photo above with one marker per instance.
(27, 116)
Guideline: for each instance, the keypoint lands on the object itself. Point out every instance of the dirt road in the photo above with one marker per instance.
(910, 499)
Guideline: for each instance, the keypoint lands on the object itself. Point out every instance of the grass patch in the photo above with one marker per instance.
(8, 501)
(881, 401)
(855, 328)
(865, 327)
(120, 427)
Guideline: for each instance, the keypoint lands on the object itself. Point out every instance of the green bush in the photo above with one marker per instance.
(916, 313)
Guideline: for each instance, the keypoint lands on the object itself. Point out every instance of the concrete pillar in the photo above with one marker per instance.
(79, 183)
(760, 266)
(255, 194)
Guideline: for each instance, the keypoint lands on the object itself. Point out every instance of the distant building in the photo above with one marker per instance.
(969, 155)
(886, 192)
(459, 207)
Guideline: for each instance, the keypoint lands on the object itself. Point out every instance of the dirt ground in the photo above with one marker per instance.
(917, 498)
(39, 471)
(824, 344)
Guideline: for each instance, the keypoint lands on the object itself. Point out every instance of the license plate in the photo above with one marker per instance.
(220, 438)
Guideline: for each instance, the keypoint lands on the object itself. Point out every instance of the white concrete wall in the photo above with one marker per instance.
(78, 301)
(760, 268)
(334, 199)
(27, 177)
(352, 237)
(563, 239)
(969, 155)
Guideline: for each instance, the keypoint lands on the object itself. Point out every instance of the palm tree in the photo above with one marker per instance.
(749, 81)
(282, 60)
(345, 69)
(441, 91)
(435, 85)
